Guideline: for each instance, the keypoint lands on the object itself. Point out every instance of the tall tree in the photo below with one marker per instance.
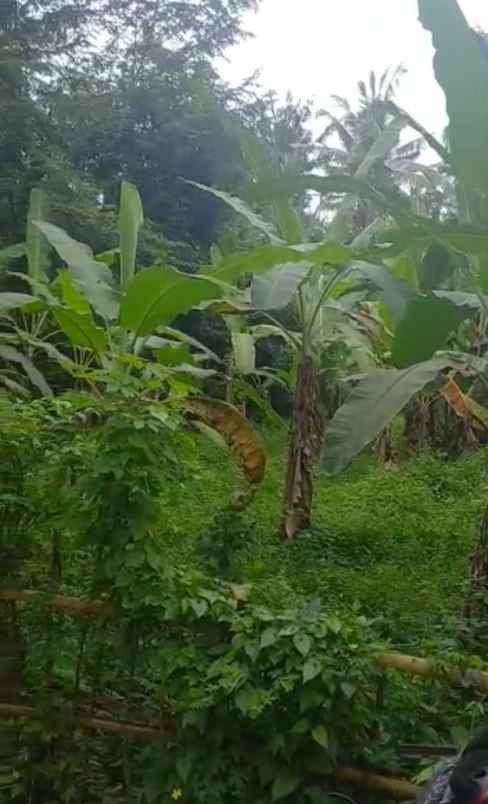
(35, 38)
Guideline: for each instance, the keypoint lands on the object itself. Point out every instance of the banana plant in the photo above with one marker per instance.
(433, 315)
(122, 329)
(423, 316)
(26, 327)
(325, 282)
(108, 322)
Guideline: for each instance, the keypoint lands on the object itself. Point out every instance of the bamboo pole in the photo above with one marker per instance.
(427, 668)
(70, 605)
(414, 665)
(399, 789)
(19, 712)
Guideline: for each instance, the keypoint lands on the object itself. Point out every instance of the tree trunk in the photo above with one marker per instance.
(307, 429)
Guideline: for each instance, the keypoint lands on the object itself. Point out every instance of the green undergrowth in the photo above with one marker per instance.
(391, 542)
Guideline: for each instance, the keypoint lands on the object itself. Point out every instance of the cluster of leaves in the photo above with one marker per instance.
(259, 698)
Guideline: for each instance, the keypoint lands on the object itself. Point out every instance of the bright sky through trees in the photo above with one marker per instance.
(319, 47)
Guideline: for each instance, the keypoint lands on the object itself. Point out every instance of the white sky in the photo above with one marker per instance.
(316, 48)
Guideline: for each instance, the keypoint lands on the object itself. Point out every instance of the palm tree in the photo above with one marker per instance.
(361, 141)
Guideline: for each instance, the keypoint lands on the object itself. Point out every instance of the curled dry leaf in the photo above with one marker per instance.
(235, 430)
(463, 405)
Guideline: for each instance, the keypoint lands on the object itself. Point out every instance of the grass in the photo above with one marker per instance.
(391, 542)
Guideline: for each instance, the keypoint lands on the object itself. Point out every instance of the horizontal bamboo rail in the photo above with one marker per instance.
(68, 605)
(95, 609)
(19, 712)
(427, 668)
(397, 788)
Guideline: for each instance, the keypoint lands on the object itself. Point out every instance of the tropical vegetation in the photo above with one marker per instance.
(243, 417)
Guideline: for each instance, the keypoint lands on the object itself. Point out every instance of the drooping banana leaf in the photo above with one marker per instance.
(275, 289)
(240, 206)
(94, 279)
(374, 403)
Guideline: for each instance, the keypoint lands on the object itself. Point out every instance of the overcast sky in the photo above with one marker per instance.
(316, 48)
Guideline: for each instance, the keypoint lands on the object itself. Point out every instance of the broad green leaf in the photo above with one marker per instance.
(193, 371)
(348, 689)
(373, 404)
(320, 736)
(10, 253)
(268, 637)
(244, 352)
(70, 294)
(302, 726)
(36, 245)
(174, 355)
(12, 301)
(40, 288)
(157, 295)
(437, 266)
(260, 331)
(395, 293)
(12, 355)
(240, 206)
(284, 785)
(364, 238)
(466, 239)
(265, 257)
(465, 85)
(131, 219)
(275, 289)
(251, 393)
(80, 329)
(177, 335)
(94, 279)
(404, 268)
(288, 221)
(302, 643)
(311, 669)
(460, 299)
(289, 185)
(428, 322)
(328, 252)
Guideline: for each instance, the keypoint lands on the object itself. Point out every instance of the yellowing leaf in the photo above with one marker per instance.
(235, 429)
(462, 404)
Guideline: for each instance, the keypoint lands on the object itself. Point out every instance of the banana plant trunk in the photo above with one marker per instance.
(307, 430)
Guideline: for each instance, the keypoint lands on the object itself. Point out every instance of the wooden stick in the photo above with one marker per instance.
(70, 605)
(399, 789)
(18, 712)
(416, 750)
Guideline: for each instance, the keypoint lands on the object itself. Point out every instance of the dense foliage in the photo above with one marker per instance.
(189, 609)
